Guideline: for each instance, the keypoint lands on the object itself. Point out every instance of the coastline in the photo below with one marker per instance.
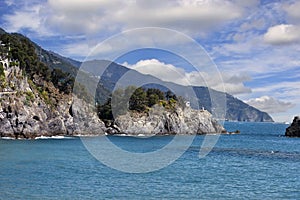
(141, 135)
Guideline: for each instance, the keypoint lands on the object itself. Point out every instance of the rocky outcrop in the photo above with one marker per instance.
(21, 121)
(160, 121)
(26, 112)
(294, 129)
(35, 100)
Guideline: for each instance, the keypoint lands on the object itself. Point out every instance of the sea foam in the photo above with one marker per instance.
(54, 137)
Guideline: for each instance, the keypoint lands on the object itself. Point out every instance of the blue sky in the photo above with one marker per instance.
(255, 44)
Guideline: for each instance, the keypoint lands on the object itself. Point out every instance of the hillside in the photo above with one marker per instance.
(236, 110)
(35, 99)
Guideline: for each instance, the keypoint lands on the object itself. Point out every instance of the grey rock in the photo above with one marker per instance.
(160, 121)
(24, 117)
(30, 116)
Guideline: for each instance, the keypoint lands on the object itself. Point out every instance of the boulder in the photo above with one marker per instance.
(294, 129)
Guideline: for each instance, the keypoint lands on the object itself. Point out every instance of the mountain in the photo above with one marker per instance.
(2, 31)
(56, 61)
(112, 73)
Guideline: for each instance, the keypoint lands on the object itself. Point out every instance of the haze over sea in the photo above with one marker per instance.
(259, 163)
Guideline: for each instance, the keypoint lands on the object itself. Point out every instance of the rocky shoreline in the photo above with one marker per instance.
(24, 122)
(27, 111)
(37, 100)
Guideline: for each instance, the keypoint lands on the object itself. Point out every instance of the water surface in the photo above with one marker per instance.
(259, 163)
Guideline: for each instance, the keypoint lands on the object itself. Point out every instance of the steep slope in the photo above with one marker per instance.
(236, 110)
(55, 61)
(36, 100)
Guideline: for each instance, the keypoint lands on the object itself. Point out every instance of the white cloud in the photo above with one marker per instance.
(292, 10)
(91, 16)
(77, 49)
(282, 34)
(27, 18)
(165, 72)
(281, 90)
(232, 83)
(270, 104)
(188, 16)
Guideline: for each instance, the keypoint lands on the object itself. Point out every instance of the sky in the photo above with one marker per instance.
(255, 45)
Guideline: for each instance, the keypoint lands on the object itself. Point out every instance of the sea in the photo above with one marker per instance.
(258, 163)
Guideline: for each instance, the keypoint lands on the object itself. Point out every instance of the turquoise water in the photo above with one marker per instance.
(259, 163)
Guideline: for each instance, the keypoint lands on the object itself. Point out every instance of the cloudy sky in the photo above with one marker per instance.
(254, 44)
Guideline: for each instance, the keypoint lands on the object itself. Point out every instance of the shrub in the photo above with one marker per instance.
(29, 96)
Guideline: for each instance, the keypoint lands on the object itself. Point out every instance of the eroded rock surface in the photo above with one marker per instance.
(160, 121)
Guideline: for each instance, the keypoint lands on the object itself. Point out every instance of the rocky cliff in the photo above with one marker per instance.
(36, 100)
(27, 112)
(159, 121)
(294, 129)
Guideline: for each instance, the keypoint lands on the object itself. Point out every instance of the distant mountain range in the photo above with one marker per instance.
(236, 110)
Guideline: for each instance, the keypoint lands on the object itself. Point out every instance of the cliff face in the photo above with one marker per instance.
(160, 121)
(294, 129)
(237, 110)
(26, 112)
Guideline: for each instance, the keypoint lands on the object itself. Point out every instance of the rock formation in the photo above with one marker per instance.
(159, 121)
(294, 129)
(27, 113)
(36, 100)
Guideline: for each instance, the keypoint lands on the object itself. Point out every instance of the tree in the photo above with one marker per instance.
(119, 102)
(138, 100)
(2, 76)
(170, 95)
(63, 81)
(153, 99)
(105, 111)
(159, 93)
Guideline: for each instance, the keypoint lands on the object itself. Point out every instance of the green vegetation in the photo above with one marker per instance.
(24, 51)
(29, 98)
(1, 70)
(136, 100)
(63, 81)
(2, 77)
